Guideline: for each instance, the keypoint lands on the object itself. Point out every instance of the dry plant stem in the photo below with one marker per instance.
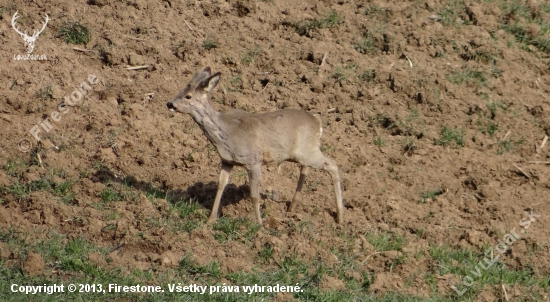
(505, 293)
(138, 67)
(116, 247)
(542, 144)
(410, 62)
(81, 50)
(506, 135)
(39, 160)
(324, 61)
(363, 262)
(522, 171)
(193, 30)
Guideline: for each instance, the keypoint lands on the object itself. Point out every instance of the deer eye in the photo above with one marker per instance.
(188, 97)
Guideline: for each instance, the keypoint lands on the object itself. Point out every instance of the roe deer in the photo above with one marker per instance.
(252, 140)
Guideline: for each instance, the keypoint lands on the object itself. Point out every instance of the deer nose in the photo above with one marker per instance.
(170, 105)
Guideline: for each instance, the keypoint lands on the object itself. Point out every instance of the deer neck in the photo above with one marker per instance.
(210, 122)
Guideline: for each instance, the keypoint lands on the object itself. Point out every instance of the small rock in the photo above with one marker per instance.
(391, 254)
(383, 227)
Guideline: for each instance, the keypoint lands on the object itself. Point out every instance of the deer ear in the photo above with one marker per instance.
(208, 84)
(207, 70)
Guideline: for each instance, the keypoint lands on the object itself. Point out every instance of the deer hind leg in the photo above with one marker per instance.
(331, 167)
(304, 171)
(319, 161)
(222, 182)
(254, 175)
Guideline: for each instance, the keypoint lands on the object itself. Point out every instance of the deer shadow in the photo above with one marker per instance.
(201, 193)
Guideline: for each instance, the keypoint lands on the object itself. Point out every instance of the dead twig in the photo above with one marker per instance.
(138, 67)
(116, 247)
(362, 262)
(81, 50)
(398, 102)
(506, 135)
(542, 144)
(522, 172)
(505, 293)
(410, 62)
(539, 162)
(324, 60)
(192, 29)
(39, 160)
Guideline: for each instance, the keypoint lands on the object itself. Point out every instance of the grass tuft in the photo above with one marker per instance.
(450, 137)
(74, 33)
(331, 19)
(249, 54)
(45, 93)
(385, 241)
(209, 44)
(468, 76)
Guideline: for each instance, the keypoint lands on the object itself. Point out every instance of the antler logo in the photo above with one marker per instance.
(29, 40)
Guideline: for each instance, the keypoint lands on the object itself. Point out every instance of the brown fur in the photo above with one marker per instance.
(252, 140)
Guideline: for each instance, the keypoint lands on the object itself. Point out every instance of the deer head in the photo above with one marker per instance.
(29, 40)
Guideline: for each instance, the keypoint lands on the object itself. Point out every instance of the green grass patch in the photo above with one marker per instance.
(479, 56)
(374, 10)
(486, 122)
(109, 195)
(368, 76)
(450, 137)
(489, 127)
(468, 76)
(507, 145)
(425, 196)
(385, 241)
(525, 23)
(465, 262)
(209, 44)
(265, 253)
(15, 167)
(373, 40)
(74, 33)
(451, 13)
(378, 141)
(331, 19)
(249, 54)
(341, 74)
(45, 93)
(189, 215)
(227, 229)
(20, 190)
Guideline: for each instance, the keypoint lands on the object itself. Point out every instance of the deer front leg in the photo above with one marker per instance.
(304, 171)
(222, 182)
(254, 175)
